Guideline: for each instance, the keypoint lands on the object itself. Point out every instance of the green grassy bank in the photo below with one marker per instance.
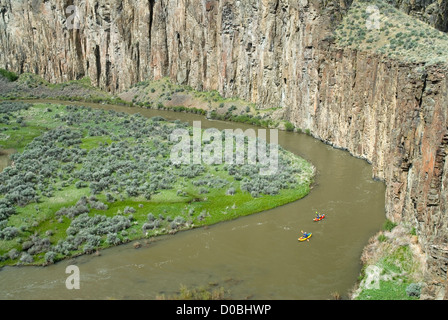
(85, 179)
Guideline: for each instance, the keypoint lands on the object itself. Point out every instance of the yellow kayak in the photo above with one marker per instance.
(305, 238)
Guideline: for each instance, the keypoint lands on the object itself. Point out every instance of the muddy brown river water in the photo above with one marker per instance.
(255, 257)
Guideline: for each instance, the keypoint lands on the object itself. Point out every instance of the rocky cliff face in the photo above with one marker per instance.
(109, 41)
(433, 12)
(253, 49)
(274, 53)
(395, 116)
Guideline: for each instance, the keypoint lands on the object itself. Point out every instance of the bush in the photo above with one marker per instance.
(203, 191)
(110, 198)
(38, 245)
(13, 254)
(80, 185)
(85, 229)
(158, 118)
(26, 258)
(129, 210)
(179, 221)
(98, 205)
(389, 225)
(148, 226)
(64, 247)
(11, 76)
(78, 209)
(289, 126)
(50, 257)
(88, 248)
(173, 225)
(26, 245)
(9, 233)
(413, 290)
(113, 239)
(382, 238)
(6, 209)
(93, 240)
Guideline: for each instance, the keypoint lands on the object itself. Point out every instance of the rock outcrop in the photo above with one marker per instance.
(433, 12)
(395, 116)
(271, 52)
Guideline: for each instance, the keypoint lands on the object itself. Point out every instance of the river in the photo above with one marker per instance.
(254, 257)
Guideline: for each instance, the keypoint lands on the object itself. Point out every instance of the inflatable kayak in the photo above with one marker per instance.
(302, 238)
(320, 218)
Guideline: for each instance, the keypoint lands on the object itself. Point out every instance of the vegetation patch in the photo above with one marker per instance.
(10, 76)
(85, 179)
(29, 86)
(165, 95)
(379, 27)
(393, 267)
(159, 94)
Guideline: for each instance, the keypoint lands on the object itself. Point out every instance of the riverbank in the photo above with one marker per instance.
(160, 94)
(94, 172)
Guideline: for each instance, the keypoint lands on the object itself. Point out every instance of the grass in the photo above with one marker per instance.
(399, 35)
(90, 143)
(394, 279)
(37, 120)
(389, 225)
(390, 290)
(289, 126)
(391, 267)
(18, 139)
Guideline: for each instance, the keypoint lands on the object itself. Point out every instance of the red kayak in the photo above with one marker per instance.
(320, 218)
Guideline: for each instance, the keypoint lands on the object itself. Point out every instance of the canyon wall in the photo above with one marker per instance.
(433, 12)
(395, 116)
(271, 52)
